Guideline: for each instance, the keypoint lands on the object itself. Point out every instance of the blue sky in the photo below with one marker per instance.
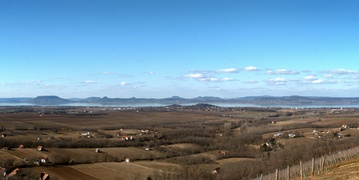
(163, 48)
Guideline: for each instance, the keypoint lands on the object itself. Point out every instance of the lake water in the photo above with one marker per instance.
(159, 104)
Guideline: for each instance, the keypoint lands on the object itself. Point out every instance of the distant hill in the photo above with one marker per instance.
(201, 105)
(250, 100)
(49, 100)
(299, 100)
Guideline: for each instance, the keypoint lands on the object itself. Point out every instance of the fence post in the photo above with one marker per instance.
(313, 161)
(321, 166)
(288, 172)
(301, 170)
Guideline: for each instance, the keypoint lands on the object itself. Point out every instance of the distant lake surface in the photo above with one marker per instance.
(160, 104)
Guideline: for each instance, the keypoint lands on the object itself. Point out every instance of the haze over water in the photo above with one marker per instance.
(187, 104)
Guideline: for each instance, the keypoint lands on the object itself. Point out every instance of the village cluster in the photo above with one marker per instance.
(43, 160)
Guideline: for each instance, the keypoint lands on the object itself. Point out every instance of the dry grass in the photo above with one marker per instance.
(133, 153)
(113, 170)
(348, 170)
(7, 155)
(234, 160)
(28, 153)
(184, 146)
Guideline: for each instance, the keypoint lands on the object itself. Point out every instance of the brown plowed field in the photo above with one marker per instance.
(63, 173)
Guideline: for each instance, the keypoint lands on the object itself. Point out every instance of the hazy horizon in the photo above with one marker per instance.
(177, 96)
(160, 49)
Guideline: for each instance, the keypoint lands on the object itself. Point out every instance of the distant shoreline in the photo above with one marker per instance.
(249, 101)
(141, 105)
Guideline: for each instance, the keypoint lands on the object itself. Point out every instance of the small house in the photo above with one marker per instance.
(292, 135)
(86, 134)
(340, 135)
(43, 160)
(97, 150)
(343, 127)
(216, 171)
(39, 148)
(279, 134)
(127, 160)
(222, 152)
(21, 146)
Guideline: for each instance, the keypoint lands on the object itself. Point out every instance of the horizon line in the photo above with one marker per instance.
(183, 97)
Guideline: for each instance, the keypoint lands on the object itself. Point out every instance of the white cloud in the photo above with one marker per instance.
(90, 82)
(250, 68)
(229, 70)
(355, 77)
(329, 76)
(124, 83)
(227, 79)
(310, 78)
(213, 79)
(107, 73)
(251, 82)
(31, 83)
(319, 81)
(206, 78)
(151, 72)
(277, 81)
(341, 72)
(210, 79)
(282, 72)
(195, 76)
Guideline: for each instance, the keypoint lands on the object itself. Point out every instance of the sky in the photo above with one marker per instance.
(186, 48)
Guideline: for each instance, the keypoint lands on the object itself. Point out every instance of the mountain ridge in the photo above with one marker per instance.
(254, 100)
